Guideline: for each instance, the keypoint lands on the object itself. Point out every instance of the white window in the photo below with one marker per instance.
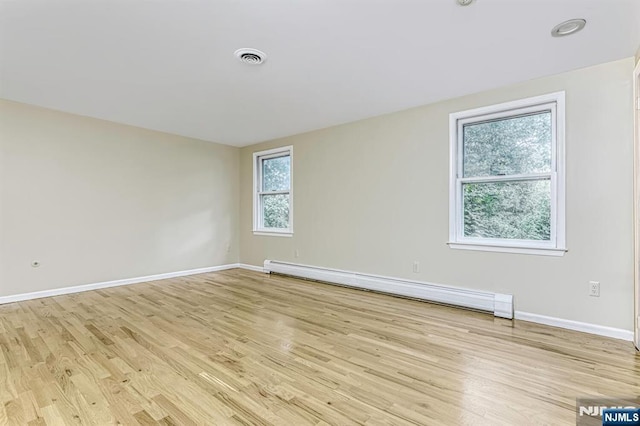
(272, 192)
(507, 177)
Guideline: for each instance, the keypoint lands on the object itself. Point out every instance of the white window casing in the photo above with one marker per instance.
(556, 245)
(259, 192)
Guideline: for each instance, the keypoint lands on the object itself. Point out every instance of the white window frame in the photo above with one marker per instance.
(556, 246)
(258, 157)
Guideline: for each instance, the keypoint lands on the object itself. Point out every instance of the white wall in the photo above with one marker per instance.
(95, 201)
(372, 196)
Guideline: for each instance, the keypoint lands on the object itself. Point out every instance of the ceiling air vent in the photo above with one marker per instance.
(251, 56)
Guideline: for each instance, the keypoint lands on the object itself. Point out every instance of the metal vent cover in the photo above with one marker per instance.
(251, 56)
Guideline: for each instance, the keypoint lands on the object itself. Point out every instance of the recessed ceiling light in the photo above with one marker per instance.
(465, 2)
(250, 56)
(568, 27)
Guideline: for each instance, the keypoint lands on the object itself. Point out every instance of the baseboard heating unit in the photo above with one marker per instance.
(501, 305)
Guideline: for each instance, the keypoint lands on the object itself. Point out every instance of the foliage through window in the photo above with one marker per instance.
(272, 191)
(507, 177)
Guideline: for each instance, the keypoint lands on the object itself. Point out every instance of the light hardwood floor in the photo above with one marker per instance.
(244, 348)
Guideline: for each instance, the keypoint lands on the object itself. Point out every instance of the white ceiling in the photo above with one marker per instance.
(168, 65)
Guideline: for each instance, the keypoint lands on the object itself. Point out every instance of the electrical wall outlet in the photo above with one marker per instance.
(594, 288)
(296, 253)
(416, 267)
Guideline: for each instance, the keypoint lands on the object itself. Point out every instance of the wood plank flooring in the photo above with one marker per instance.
(243, 348)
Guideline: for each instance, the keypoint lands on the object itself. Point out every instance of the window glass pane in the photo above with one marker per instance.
(276, 173)
(509, 146)
(508, 210)
(275, 211)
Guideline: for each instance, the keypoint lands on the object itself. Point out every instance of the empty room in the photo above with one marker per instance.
(337, 212)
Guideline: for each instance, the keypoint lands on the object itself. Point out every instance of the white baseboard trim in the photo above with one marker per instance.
(107, 284)
(251, 267)
(601, 330)
(500, 305)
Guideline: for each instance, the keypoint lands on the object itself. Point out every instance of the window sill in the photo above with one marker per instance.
(540, 251)
(269, 233)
